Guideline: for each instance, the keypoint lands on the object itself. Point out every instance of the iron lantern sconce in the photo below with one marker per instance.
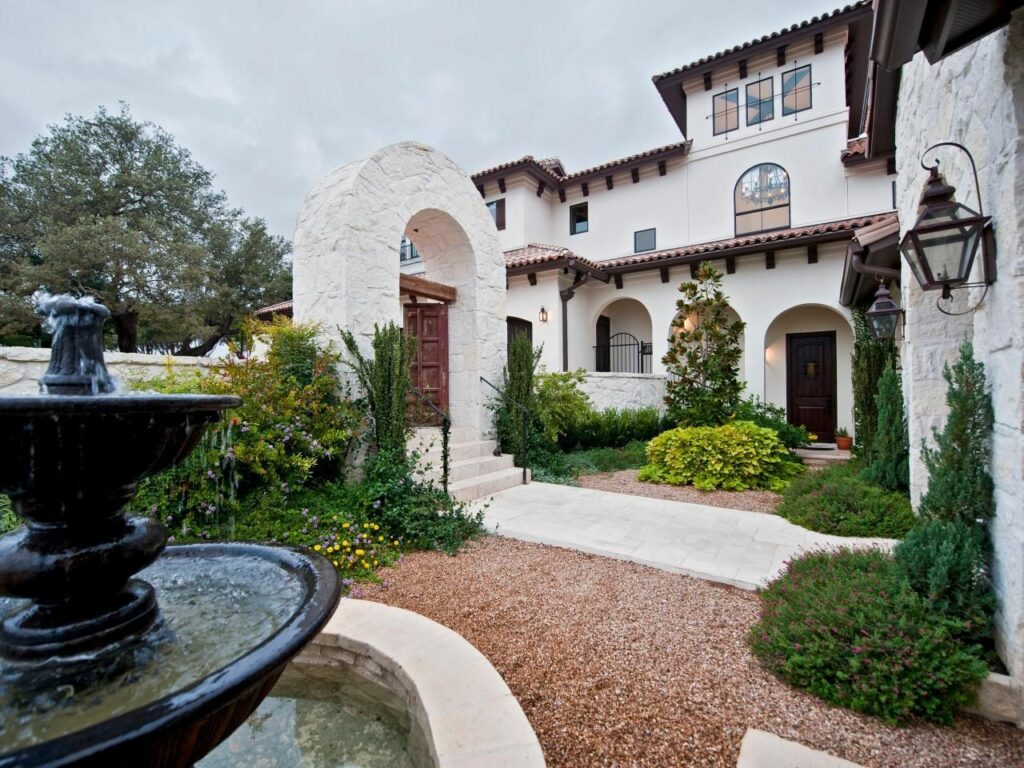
(941, 246)
(884, 316)
(542, 316)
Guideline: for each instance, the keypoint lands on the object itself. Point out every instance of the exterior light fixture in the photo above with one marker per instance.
(941, 246)
(883, 316)
(542, 316)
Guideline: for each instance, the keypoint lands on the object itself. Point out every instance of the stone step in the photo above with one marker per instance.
(485, 485)
(460, 451)
(429, 438)
(467, 468)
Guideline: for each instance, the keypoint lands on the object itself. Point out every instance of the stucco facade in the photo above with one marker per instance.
(974, 97)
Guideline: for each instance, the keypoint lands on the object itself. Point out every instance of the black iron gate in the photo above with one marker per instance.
(624, 353)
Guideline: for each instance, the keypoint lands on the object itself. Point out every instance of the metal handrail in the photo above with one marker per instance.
(446, 427)
(525, 426)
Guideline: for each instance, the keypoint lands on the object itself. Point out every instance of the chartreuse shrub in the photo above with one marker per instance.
(848, 627)
(736, 456)
(772, 416)
(838, 501)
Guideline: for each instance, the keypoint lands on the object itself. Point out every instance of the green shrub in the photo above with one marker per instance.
(959, 485)
(8, 520)
(868, 361)
(560, 403)
(771, 416)
(612, 428)
(516, 391)
(704, 354)
(835, 500)
(889, 456)
(735, 456)
(386, 383)
(847, 627)
(945, 564)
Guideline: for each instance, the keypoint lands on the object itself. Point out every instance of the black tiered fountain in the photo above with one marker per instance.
(114, 650)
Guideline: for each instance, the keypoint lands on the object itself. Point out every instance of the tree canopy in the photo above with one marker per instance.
(111, 207)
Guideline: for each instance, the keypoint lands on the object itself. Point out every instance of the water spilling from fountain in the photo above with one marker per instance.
(115, 649)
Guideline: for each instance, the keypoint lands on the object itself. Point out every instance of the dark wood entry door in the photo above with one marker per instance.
(518, 327)
(603, 349)
(429, 369)
(811, 382)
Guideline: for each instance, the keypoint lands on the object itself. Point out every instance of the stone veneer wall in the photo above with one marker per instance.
(22, 367)
(626, 390)
(974, 97)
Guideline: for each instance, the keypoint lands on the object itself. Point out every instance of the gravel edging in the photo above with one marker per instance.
(620, 664)
(625, 481)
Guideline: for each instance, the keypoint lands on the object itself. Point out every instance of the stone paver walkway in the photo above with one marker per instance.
(731, 546)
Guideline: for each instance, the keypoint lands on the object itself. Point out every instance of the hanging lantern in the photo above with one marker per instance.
(884, 315)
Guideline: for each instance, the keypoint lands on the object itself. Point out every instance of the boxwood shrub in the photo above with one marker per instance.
(848, 627)
(736, 456)
(836, 500)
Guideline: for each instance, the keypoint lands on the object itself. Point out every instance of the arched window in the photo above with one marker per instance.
(762, 199)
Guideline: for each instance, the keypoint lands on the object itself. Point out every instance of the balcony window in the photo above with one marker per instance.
(408, 252)
(497, 210)
(726, 111)
(760, 101)
(578, 220)
(796, 90)
(762, 199)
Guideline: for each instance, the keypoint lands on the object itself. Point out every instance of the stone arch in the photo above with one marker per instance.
(346, 260)
(626, 315)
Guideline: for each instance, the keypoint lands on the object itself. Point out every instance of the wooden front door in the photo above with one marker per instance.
(811, 382)
(428, 323)
(518, 327)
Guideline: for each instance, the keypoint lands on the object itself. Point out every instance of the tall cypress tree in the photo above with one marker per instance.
(959, 485)
(889, 461)
(868, 362)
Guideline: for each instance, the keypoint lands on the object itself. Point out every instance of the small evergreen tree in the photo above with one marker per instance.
(869, 358)
(889, 459)
(704, 354)
(517, 389)
(959, 485)
(386, 381)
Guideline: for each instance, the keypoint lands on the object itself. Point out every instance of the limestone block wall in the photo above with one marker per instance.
(974, 97)
(22, 367)
(626, 390)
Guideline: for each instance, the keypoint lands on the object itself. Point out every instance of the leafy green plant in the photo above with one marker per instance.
(560, 403)
(736, 456)
(837, 501)
(704, 356)
(959, 485)
(771, 416)
(841, 432)
(386, 382)
(517, 391)
(847, 627)
(945, 563)
(868, 361)
(8, 520)
(889, 458)
(612, 428)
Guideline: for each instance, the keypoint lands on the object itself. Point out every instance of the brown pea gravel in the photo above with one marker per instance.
(617, 664)
(625, 481)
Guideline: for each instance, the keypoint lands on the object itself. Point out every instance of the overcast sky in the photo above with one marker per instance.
(269, 95)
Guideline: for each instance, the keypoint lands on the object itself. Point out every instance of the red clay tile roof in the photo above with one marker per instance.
(684, 145)
(553, 167)
(281, 308)
(855, 148)
(767, 38)
(540, 253)
(734, 243)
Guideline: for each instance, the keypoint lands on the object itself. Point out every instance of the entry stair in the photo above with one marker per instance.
(474, 470)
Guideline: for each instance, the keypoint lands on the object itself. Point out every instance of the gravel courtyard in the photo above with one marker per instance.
(619, 664)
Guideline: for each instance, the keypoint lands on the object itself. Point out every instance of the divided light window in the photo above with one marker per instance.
(726, 111)
(796, 90)
(497, 210)
(760, 101)
(762, 199)
(578, 220)
(644, 240)
(408, 252)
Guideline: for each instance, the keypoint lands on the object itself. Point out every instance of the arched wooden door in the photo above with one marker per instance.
(428, 323)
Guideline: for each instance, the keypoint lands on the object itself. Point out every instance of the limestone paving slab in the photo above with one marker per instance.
(731, 546)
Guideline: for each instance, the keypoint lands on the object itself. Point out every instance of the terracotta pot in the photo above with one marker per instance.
(844, 443)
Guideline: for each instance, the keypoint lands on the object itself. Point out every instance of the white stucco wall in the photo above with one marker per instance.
(625, 390)
(975, 97)
(21, 368)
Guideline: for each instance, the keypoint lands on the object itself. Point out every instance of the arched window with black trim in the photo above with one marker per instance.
(762, 199)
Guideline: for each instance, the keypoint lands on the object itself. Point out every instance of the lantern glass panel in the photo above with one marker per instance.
(949, 250)
(884, 326)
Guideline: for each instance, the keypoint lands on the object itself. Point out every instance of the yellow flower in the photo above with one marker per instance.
(380, 538)
(345, 543)
(395, 542)
(335, 563)
(376, 527)
(317, 548)
(344, 525)
(375, 562)
(366, 525)
(359, 553)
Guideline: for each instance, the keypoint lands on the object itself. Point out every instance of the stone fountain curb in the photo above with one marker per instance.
(465, 713)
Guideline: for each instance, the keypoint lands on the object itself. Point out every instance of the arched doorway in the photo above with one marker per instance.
(622, 338)
(733, 316)
(346, 260)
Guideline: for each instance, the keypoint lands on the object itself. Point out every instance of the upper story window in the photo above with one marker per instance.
(579, 222)
(760, 101)
(796, 90)
(762, 199)
(644, 240)
(497, 210)
(408, 252)
(726, 111)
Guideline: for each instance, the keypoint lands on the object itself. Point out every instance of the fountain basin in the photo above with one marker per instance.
(233, 616)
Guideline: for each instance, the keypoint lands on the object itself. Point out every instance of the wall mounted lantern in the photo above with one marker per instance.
(542, 316)
(941, 246)
(883, 316)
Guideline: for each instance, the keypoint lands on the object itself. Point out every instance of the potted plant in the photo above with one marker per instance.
(843, 440)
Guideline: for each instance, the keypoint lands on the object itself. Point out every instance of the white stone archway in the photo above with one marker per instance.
(346, 260)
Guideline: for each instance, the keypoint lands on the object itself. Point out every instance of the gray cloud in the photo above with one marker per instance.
(271, 95)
